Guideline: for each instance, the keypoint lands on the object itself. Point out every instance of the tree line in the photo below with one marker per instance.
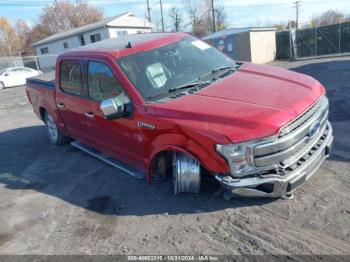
(63, 15)
(195, 16)
(199, 15)
(329, 17)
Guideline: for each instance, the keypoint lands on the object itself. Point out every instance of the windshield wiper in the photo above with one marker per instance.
(171, 90)
(188, 86)
(197, 84)
(215, 70)
(222, 68)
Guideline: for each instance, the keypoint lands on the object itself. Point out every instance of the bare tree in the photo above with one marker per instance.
(220, 17)
(63, 15)
(177, 19)
(329, 17)
(195, 16)
(201, 19)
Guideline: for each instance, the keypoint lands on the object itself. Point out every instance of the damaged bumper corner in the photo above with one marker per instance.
(276, 186)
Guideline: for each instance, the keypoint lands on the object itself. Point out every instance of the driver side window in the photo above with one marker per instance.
(102, 84)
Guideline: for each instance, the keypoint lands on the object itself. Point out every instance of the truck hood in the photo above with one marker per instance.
(254, 102)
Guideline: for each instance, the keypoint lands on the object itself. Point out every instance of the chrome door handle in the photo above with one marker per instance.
(89, 114)
(60, 105)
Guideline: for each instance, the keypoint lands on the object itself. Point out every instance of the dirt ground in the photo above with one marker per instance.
(57, 200)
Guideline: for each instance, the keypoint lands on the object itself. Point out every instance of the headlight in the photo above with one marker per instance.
(239, 157)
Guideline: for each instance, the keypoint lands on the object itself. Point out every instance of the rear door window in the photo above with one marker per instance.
(102, 84)
(71, 77)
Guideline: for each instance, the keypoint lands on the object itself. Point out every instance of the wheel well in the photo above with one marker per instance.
(42, 112)
(206, 181)
(161, 165)
(166, 155)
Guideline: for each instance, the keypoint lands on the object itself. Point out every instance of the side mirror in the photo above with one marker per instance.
(116, 107)
(6, 74)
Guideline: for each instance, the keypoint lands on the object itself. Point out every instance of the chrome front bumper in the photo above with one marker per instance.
(273, 185)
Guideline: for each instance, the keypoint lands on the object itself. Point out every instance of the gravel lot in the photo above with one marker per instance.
(57, 200)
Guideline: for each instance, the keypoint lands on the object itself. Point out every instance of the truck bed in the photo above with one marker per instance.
(45, 80)
(41, 92)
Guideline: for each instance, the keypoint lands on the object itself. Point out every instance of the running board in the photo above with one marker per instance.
(111, 161)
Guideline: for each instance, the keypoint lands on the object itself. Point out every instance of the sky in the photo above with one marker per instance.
(240, 13)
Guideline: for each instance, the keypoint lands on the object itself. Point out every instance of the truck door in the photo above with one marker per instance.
(119, 138)
(71, 96)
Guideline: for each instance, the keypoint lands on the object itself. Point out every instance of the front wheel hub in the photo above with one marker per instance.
(186, 174)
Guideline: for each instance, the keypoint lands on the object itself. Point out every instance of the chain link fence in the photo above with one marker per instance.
(311, 42)
(44, 63)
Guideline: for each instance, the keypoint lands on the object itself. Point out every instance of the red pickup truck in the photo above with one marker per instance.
(169, 105)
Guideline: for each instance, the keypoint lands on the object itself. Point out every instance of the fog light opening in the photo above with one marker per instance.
(267, 188)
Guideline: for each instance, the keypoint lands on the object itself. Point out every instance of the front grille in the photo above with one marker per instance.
(320, 105)
(304, 158)
(295, 139)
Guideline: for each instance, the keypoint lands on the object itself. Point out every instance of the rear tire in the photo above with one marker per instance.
(55, 135)
(2, 85)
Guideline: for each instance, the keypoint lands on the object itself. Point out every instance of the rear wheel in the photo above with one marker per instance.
(2, 85)
(55, 135)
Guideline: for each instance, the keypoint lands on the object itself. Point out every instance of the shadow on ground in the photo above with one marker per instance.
(30, 162)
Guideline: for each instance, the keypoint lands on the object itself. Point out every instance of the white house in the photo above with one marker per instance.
(127, 23)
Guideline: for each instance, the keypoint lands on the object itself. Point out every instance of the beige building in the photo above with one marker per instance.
(251, 44)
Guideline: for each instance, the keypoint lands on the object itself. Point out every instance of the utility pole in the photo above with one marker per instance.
(161, 13)
(148, 12)
(213, 15)
(297, 6)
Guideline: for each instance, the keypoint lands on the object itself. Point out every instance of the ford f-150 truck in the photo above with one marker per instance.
(164, 105)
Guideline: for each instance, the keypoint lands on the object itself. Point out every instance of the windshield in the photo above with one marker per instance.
(158, 72)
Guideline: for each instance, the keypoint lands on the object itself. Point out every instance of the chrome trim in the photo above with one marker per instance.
(110, 107)
(60, 105)
(110, 161)
(89, 114)
(304, 145)
(186, 174)
(321, 103)
(248, 186)
(268, 153)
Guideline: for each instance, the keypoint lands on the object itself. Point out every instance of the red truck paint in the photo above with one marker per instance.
(254, 102)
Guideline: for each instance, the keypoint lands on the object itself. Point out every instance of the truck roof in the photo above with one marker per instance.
(137, 43)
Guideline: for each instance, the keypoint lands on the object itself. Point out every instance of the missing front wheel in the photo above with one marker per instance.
(186, 174)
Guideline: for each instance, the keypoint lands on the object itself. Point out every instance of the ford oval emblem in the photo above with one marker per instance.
(314, 128)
